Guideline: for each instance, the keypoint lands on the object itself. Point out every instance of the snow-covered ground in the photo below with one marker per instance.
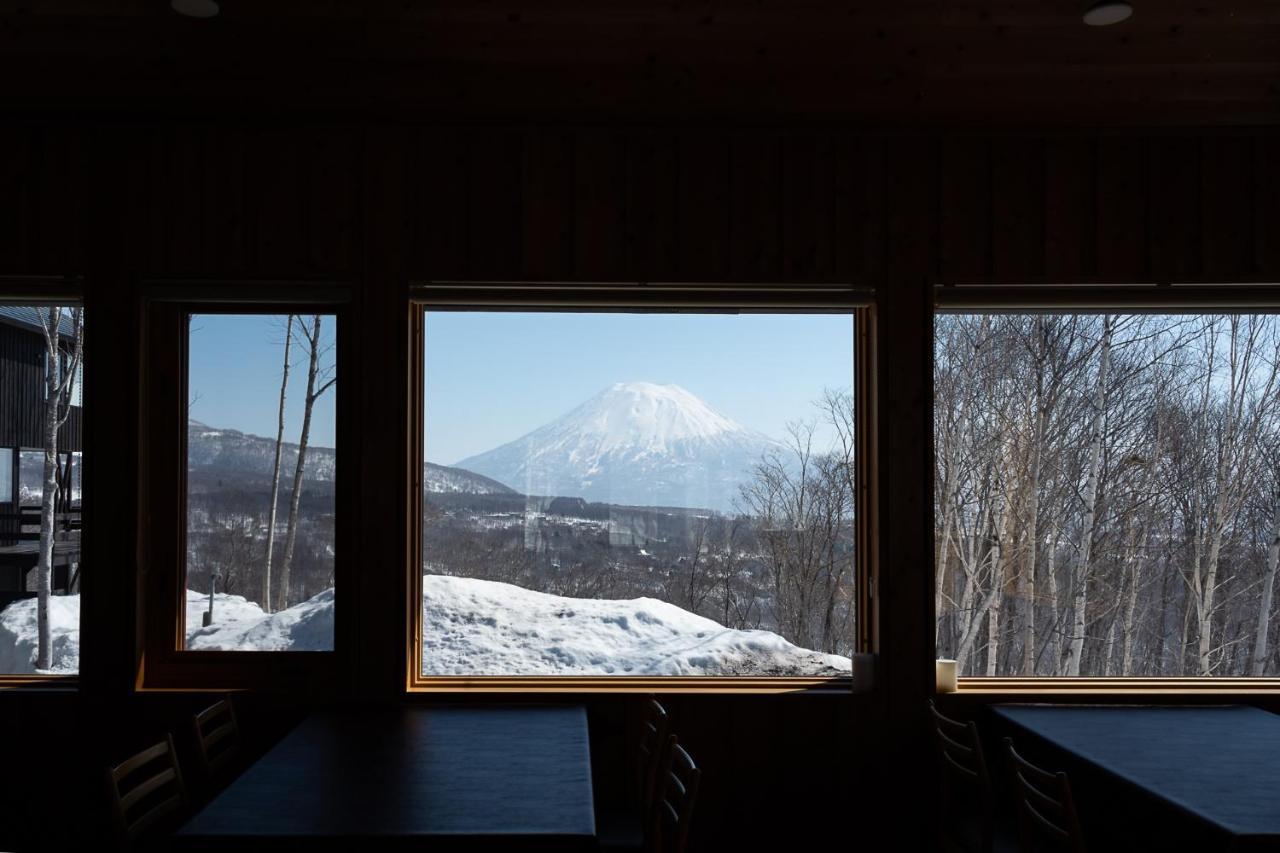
(475, 627)
(18, 635)
(241, 626)
(472, 627)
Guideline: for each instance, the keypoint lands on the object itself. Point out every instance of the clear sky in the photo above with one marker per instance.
(235, 364)
(492, 377)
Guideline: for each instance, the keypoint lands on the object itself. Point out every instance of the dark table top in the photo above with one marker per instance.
(1221, 764)
(463, 776)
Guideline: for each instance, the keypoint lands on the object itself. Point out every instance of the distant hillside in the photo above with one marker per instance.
(229, 451)
(441, 479)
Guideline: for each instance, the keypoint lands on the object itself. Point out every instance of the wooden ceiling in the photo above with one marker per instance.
(1021, 63)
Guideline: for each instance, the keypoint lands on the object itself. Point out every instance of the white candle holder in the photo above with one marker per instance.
(944, 673)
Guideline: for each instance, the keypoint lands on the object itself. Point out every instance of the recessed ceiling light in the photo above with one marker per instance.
(195, 8)
(1106, 12)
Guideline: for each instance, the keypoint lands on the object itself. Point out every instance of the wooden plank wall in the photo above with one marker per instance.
(383, 205)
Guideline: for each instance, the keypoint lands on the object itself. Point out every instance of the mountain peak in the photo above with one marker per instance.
(640, 443)
(647, 415)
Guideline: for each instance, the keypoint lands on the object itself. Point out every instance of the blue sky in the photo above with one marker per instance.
(235, 363)
(492, 377)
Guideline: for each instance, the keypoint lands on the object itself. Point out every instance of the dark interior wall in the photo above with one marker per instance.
(382, 205)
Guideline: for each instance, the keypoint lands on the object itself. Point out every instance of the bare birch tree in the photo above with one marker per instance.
(319, 380)
(275, 469)
(59, 381)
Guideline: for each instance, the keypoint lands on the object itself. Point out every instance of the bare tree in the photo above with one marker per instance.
(1257, 666)
(1080, 581)
(319, 380)
(275, 470)
(59, 380)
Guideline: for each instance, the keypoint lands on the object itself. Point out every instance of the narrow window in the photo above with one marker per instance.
(261, 480)
(41, 436)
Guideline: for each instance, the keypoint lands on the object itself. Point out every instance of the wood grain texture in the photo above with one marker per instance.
(458, 777)
(917, 62)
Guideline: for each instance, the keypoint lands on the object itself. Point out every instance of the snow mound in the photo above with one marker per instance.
(477, 627)
(18, 636)
(470, 627)
(241, 626)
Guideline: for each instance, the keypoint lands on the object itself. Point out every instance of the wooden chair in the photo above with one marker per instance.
(655, 729)
(675, 797)
(146, 789)
(217, 738)
(628, 828)
(965, 793)
(1046, 810)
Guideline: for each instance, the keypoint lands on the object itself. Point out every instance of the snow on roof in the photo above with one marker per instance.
(26, 317)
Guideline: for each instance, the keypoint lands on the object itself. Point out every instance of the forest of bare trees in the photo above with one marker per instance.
(1107, 493)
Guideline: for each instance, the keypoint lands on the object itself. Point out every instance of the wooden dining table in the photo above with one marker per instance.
(458, 777)
(1214, 770)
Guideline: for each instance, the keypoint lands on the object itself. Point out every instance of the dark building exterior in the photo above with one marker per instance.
(22, 394)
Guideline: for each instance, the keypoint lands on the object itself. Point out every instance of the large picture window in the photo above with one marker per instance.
(638, 494)
(1107, 493)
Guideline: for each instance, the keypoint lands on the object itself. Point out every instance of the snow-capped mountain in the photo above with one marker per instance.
(229, 450)
(635, 443)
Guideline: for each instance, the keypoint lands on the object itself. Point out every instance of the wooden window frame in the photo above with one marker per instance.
(162, 663)
(1138, 294)
(43, 291)
(646, 297)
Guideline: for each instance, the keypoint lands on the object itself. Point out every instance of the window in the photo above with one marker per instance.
(1107, 501)
(637, 494)
(41, 434)
(260, 482)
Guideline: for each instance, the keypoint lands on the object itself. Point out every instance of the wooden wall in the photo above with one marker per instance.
(382, 205)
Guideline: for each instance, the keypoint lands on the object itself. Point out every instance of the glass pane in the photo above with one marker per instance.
(6, 476)
(260, 573)
(1106, 493)
(77, 477)
(39, 543)
(31, 476)
(638, 494)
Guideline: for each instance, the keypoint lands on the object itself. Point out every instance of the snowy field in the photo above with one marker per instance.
(471, 627)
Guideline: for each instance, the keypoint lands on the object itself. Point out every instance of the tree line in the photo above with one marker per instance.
(1107, 493)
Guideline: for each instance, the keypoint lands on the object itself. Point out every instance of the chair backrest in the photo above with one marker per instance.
(675, 797)
(655, 728)
(217, 736)
(960, 754)
(964, 781)
(145, 789)
(1046, 809)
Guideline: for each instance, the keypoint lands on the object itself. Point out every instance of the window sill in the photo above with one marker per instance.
(65, 683)
(629, 684)
(1068, 687)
